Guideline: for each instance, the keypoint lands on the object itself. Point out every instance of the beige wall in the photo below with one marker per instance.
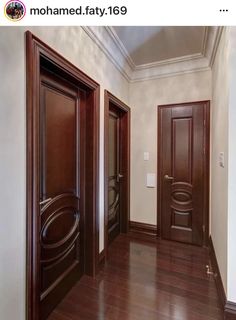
(219, 143)
(75, 45)
(145, 96)
(231, 249)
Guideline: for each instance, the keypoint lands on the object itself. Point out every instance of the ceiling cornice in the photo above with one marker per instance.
(168, 61)
(109, 47)
(213, 40)
(121, 47)
(110, 44)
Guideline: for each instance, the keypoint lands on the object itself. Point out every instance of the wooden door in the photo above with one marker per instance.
(62, 164)
(116, 168)
(61, 189)
(183, 176)
(115, 175)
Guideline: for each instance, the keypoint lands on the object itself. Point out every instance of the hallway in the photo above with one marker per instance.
(145, 280)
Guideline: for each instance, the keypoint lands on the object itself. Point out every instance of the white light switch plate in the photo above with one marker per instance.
(146, 156)
(151, 180)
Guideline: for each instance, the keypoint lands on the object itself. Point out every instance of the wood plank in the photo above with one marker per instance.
(146, 280)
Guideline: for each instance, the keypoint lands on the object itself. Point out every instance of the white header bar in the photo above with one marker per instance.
(117, 12)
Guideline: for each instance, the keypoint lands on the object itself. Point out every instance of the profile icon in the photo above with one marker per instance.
(15, 10)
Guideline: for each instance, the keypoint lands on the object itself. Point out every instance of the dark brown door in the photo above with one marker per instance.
(115, 174)
(61, 190)
(183, 171)
(116, 168)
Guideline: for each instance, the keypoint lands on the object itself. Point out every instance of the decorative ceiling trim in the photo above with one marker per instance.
(110, 44)
(204, 42)
(168, 61)
(111, 50)
(167, 75)
(215, 45)
(121, 47)
(172, 69)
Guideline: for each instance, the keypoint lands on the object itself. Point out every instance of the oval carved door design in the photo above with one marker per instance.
(182, 170)
(113, 179)
(61, 252)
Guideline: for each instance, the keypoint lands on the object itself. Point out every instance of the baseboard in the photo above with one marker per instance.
(228, 307)
(143, 229)
(216, 270)
(230, 311)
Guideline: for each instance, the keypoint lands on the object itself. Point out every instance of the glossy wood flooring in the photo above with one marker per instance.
(145, 280)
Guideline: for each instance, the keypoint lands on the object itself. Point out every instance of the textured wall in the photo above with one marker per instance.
(231, 287)
(219, 143)
(144, 98)
(75, 45)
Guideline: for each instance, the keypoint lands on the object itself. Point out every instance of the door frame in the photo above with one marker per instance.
(121, 106)
(40, 54)
(206, 164)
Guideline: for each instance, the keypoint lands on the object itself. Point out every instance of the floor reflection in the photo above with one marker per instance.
(145, 280)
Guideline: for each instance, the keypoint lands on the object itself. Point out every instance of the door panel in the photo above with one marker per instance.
(182, 176)
(59, 136)
(61, 254)
(113, 179)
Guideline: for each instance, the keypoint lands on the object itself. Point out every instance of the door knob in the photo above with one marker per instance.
(45, 201)
(166, 177)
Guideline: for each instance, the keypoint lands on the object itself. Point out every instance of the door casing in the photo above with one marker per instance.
(206, 165)
(109, 98)
(39, 54)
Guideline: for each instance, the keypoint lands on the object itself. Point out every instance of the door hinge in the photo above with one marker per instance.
(203, 228)
(204, 123)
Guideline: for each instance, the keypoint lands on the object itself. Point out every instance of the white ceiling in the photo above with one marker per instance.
(153, 44)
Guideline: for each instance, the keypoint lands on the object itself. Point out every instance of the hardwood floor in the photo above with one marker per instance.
(145, 280)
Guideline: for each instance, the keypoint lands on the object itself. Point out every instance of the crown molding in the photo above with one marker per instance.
(204, 42)
(109, 47)
(147, 75)
(213, 39)
(110, 44)
(121, 47)
(168, 61)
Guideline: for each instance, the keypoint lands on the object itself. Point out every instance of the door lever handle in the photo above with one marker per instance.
(119, 176)
(166, 177)
(45, 201)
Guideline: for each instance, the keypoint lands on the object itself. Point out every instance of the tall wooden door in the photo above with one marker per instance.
(183, 171)
(117, 168)
(115, 176)
(61, 190)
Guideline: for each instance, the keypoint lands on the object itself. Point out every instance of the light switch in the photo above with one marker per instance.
(146, 156)
(222, 159)
(151, 180)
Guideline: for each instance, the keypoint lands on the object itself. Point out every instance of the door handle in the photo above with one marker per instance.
(166, 177)
(45, 201)
(119, 176)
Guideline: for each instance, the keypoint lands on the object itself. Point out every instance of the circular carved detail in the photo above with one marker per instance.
(59, 227)
(112, 214)
(181, 196)
(113, 197)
